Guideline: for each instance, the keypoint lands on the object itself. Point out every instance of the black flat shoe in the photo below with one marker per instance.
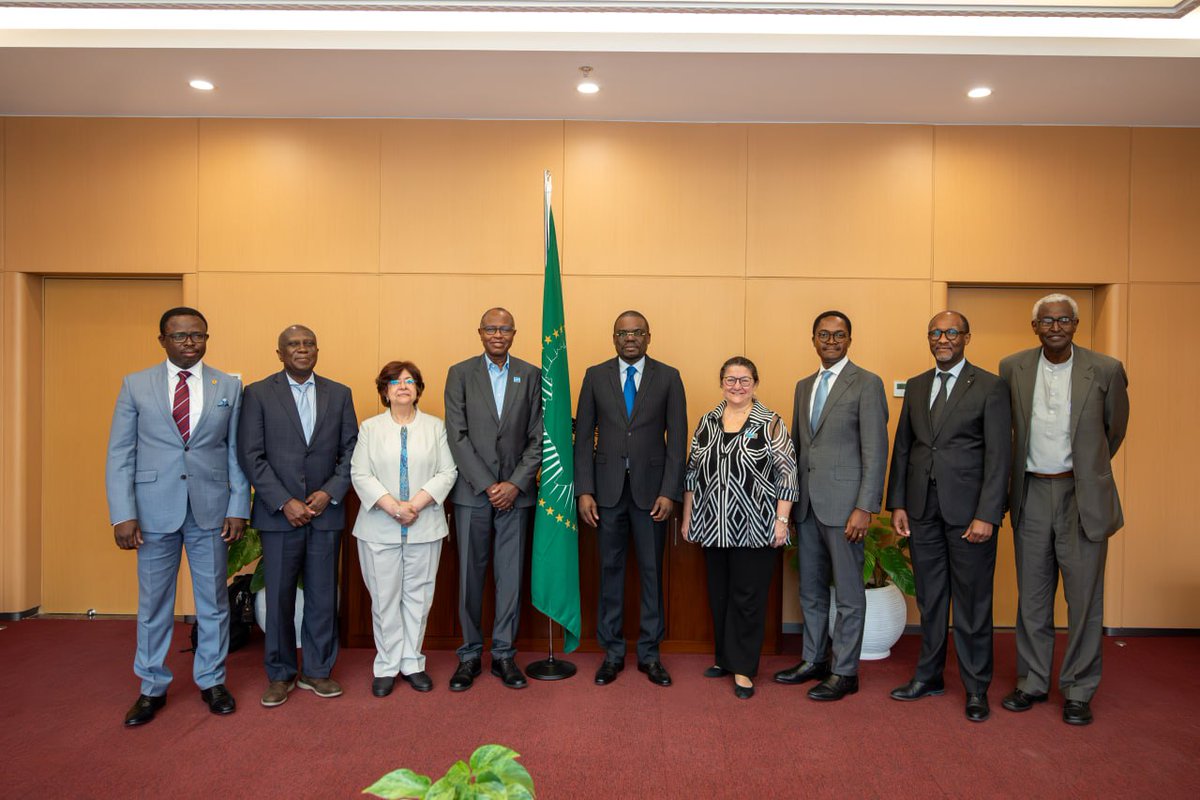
(219, 700)
(507, 670)
(143, 709)
(464, 677)
(804, 671)
(382, 687)
(656, 672)
(835, 687)
(743, 692)
(1018, 700)
(1077, 712)
(420, 681)
(977, 707)
(607, 673)
(715, 672)
(915, 690)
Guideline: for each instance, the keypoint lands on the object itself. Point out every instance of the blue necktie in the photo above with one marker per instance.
(819, 400)
(304, 406)
(630, 389)
(404, 474)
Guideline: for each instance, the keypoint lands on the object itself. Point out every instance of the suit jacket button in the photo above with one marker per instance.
(183, 477)
(186, 448)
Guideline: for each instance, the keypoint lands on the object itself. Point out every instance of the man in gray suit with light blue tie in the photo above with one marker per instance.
(494, 429)
(840, 430)
(173, 481)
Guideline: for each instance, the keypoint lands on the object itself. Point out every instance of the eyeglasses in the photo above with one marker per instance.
(636, 333)
(837, 336)
(180, 338)
(732, 381)
(1046, 323)
(492, 330)
(397, 382)
(951, 334)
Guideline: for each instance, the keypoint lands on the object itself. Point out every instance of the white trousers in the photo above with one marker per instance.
(400, 578)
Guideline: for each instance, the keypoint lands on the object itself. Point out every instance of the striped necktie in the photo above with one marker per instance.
(181, 407)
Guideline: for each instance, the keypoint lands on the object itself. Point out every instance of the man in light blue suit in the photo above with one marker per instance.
(173, 481)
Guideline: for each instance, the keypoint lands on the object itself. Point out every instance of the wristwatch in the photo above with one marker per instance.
(784, 520)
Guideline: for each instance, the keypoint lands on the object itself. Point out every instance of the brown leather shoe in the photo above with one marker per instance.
(277, 693)
(321, 687)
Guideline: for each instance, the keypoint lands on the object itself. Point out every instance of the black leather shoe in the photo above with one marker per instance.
(1077, 712)
(382, 687)
(1021, 701)
(507, 670)
(419, 681)
(656, 672)
(742, 692)
(915, 689)
(219, 700)
(143, 710)
(715, 672)
(977, 707)
(835, 687)
(607, 673)
(804, 671)
(465, 675)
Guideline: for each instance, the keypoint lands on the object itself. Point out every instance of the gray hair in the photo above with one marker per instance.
(1056, 298)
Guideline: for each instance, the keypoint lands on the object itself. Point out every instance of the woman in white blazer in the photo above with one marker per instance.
(402, 471)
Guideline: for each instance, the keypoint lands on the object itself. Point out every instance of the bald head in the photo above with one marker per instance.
(298, 351)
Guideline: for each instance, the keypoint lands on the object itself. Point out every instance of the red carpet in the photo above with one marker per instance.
(65, 686)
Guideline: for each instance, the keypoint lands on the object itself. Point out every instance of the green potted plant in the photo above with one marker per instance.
(247, 551)
(888, 577)
(492, 772)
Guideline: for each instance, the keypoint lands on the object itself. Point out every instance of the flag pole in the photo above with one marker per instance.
(549, 668)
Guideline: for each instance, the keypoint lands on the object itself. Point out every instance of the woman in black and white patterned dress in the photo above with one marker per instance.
(738, 493)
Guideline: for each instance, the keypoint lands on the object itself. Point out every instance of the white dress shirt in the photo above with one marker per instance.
(195, 384)
(950, 381)
(1050, 423)
(836, 369)
(623, 366)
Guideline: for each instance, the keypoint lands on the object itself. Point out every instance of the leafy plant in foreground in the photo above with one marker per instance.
(492, 773)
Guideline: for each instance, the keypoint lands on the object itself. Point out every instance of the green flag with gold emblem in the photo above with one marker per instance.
(555, 568)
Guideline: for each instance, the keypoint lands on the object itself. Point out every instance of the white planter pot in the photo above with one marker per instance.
(886, 615)
(260, 611)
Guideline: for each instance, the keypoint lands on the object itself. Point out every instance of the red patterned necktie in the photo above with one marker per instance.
(181, 409)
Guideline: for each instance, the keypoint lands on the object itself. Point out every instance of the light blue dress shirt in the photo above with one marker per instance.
(499, 379)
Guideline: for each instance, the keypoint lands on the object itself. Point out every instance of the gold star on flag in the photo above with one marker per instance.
(547, 340)
(542, 502)
(559, 519)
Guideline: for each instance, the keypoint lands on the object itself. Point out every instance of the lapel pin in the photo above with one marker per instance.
(516, 379)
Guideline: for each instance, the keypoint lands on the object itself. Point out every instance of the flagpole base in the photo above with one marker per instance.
(550, 669)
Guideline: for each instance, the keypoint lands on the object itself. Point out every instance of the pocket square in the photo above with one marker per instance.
(223, 402)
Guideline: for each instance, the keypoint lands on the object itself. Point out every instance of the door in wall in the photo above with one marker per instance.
(999, 318)
(95, 332)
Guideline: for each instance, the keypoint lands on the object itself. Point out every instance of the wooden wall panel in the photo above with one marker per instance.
(854, 201)
(289, 195)
(1000, 327)
(100, 195)
(343, 310)
(1164, 228)
(1021, 204)
(1160, 579)
(655, 199)
(888, 317)
(466, 196)
(433, 321)
(83, 568)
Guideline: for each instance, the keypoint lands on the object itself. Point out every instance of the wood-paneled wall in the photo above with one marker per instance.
(390, 237)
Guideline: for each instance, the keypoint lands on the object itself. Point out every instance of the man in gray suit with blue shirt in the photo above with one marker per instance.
(840, 430)
(173, 482)
(494, 429)
(295, 438)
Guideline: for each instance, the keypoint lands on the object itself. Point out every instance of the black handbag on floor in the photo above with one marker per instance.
(241, 614)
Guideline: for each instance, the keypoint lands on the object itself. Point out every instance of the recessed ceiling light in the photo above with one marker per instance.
(979, 92)
(587, 85)
(201, 84)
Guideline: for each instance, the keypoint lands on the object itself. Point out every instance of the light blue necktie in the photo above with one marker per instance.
(630, 389)
(404, 474)
(307, 418)
(819, 400)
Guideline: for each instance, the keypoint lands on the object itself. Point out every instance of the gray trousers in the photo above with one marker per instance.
(826, 556)
(474, 526)
(1048, 541)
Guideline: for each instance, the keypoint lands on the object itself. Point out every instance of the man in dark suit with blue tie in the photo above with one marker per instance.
(295, 438)
(633, 409)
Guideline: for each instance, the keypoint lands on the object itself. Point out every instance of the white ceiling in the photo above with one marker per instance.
(680, 67)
